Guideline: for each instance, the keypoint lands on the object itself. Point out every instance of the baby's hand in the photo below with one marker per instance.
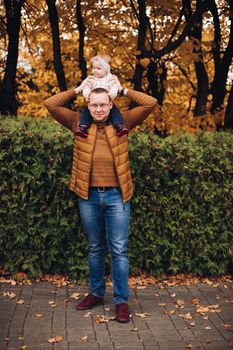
(77, 90)
(113, 92)
(116, 82)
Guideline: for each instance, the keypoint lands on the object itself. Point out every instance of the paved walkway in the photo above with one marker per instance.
(42, 316)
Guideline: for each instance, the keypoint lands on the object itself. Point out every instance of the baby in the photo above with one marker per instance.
(100, 77)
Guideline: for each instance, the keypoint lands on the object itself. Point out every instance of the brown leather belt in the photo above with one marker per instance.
(102, 188)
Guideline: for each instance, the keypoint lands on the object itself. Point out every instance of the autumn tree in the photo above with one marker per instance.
(8, 101)
(54, 22)
(222, 56)
(82, 30)
(228, 124)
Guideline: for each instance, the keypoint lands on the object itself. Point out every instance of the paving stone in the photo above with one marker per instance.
(74, 345)
(127, 344)
(158, 331)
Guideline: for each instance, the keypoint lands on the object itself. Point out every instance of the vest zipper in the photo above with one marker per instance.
(89, 174)
(115, 167)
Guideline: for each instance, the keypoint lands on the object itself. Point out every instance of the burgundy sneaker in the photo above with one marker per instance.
(82, 131)
(89, 301)
(122, 312)
(121, 130)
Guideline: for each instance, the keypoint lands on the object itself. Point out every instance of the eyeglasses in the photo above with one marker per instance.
(101, 105)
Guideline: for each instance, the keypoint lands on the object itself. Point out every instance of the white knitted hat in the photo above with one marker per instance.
(103, 63)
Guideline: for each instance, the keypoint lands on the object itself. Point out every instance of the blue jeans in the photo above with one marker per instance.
(105, 211)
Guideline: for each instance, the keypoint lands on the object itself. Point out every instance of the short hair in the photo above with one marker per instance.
(99, 90)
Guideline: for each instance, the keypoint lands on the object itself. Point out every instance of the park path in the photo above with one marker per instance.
(42, 315)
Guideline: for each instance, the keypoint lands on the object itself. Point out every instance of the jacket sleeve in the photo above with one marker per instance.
(55, 106)
(137, 115)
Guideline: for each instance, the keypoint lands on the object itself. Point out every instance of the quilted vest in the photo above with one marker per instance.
(82, 161)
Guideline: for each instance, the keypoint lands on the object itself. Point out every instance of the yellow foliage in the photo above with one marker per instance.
(113, 29)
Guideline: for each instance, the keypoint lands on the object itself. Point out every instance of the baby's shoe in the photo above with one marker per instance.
(82, 131)
(121, 130)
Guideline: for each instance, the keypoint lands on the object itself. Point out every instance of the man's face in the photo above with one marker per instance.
(99, 106)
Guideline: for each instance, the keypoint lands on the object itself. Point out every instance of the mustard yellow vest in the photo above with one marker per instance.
(82, 162)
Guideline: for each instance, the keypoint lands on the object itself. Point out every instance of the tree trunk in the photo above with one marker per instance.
(82, 30)
(53, 18)
(137, 78)
(221, 65)
(156, 80)
(228, 120)
(8, 101)
(202, 89)
(195, 34)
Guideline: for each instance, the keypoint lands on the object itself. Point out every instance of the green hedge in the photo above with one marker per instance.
(182, 217)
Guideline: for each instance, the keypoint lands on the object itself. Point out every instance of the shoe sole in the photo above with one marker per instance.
(121, 320)
(122, 133)
(87, 308)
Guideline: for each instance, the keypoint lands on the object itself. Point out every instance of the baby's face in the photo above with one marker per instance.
(97, 70)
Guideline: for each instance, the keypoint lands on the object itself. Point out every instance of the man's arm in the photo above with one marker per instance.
(138, 114)
(63, 115)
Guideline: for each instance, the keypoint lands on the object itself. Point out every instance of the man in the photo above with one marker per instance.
(102, 180)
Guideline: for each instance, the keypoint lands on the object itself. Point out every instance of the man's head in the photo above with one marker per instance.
(99, 104)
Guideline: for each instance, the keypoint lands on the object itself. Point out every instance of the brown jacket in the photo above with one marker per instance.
(83, 148)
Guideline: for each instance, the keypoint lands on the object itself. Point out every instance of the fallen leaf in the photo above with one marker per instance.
(10, 295)
(56, 339)
(202, 309)
(207, 327)
(141, 287)
(186, 316)
(136, 300)
(20, 338)
(229, 300)
(75, 296)
(135, 329)
(189, 346)
(195, 301)
(215, 306)
(217, 296)
(179, 302)
(106, 309)
(162, 304)
(51, 302)
(88, 314)
(156, 294)
(54, 305)
(142, 315)
(205, 318)
(103, 319)
(21, 275)
(173, 295)
(66, 300)
(24, 347)
(84, 339)
(20, 302)
(192, 324)
(226, 325)
(38, 315)
(169, 312)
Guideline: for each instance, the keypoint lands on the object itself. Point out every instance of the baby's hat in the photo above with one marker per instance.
(103, 62)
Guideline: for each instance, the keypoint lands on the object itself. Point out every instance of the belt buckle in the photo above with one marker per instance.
(101, 189)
